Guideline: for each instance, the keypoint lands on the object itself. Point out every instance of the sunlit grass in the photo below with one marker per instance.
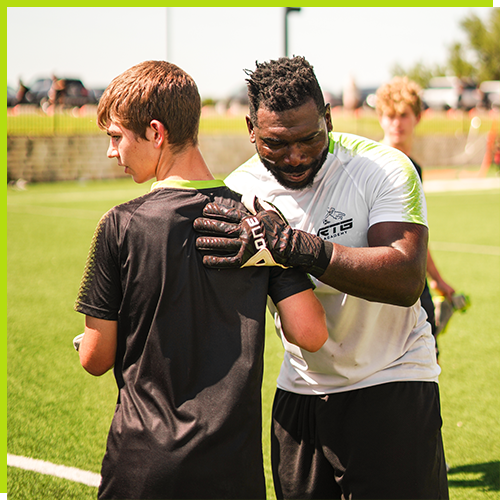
(59, 413)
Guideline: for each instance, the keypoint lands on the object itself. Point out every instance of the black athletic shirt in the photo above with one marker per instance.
(189, 359)
(426, 297)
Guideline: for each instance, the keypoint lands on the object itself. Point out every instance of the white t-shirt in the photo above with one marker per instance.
(361, 183)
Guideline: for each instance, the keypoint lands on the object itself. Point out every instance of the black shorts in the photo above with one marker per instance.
(382, 442)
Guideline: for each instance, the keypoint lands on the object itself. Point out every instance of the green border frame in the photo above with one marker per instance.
(3, 268)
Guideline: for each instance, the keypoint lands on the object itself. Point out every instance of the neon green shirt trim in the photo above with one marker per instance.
(187, 184)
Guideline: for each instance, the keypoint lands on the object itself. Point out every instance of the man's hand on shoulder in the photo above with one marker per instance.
(233, 238)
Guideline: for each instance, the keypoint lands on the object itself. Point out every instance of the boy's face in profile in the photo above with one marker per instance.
(398, 127)
(138, 156)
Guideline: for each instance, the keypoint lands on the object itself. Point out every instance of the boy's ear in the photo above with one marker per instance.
(158, 133)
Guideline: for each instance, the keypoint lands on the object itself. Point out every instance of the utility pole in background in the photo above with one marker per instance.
(168, 50)
(287, 11)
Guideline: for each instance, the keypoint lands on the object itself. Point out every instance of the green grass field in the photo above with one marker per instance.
(59, 413)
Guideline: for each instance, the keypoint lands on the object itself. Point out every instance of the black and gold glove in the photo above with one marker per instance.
(235, 238)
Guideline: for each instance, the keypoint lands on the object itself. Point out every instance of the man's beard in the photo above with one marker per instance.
(314, 166)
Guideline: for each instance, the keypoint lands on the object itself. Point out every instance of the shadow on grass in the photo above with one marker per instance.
(485, 476)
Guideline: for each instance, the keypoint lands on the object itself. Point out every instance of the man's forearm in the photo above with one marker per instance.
(380, 274)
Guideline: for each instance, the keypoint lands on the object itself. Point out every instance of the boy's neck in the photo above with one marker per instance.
(188, 165)
(405, 147)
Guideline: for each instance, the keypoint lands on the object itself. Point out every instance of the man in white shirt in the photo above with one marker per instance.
(360, 418)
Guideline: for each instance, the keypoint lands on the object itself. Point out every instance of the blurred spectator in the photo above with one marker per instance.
(57, 91)
(399, 109)
(350, 95)
(496, 152)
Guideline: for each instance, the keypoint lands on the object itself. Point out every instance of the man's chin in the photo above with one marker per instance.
(299, 183)
(295, 185)
(292, 181)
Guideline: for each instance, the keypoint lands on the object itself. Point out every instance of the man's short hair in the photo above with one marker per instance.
(283, 84)
(153, 90)
(395, 96)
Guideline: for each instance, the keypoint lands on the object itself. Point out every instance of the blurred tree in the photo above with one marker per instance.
(457, 63)
(484, 42)
(478, 59)
(419, 73)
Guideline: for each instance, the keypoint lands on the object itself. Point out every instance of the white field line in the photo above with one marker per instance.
(471, 184)
(464, 248)
(43, 467)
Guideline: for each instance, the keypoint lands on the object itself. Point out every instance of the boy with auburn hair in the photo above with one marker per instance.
(186, 342)
(399, 110)
(398, 95)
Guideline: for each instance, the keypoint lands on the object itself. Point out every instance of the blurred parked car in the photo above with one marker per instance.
(368, 97)
(96, 94)
(490, 91)
(450, 92)
(72, 92)
(11, 97)
(38, 92)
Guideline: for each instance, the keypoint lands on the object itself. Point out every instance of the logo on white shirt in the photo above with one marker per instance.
(331, 213)
(334, 224)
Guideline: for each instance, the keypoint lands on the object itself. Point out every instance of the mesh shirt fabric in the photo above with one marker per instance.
(189, 357)
(362, 183)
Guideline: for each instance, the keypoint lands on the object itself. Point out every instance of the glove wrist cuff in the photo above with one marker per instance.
(322, 262)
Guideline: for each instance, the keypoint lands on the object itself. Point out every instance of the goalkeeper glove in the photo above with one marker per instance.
(235, 238)
(77, 341)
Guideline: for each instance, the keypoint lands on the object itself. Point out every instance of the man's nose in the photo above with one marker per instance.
(294, 155)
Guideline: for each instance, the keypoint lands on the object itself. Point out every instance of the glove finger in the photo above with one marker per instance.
(248, 199)
(261, 205)
(215, 262)
(217, 227)
(231, 214)
(258, 205)
(219, 245)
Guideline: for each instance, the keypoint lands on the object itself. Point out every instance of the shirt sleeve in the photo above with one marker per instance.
(396, 192)
(287, 282)
(100, 293)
